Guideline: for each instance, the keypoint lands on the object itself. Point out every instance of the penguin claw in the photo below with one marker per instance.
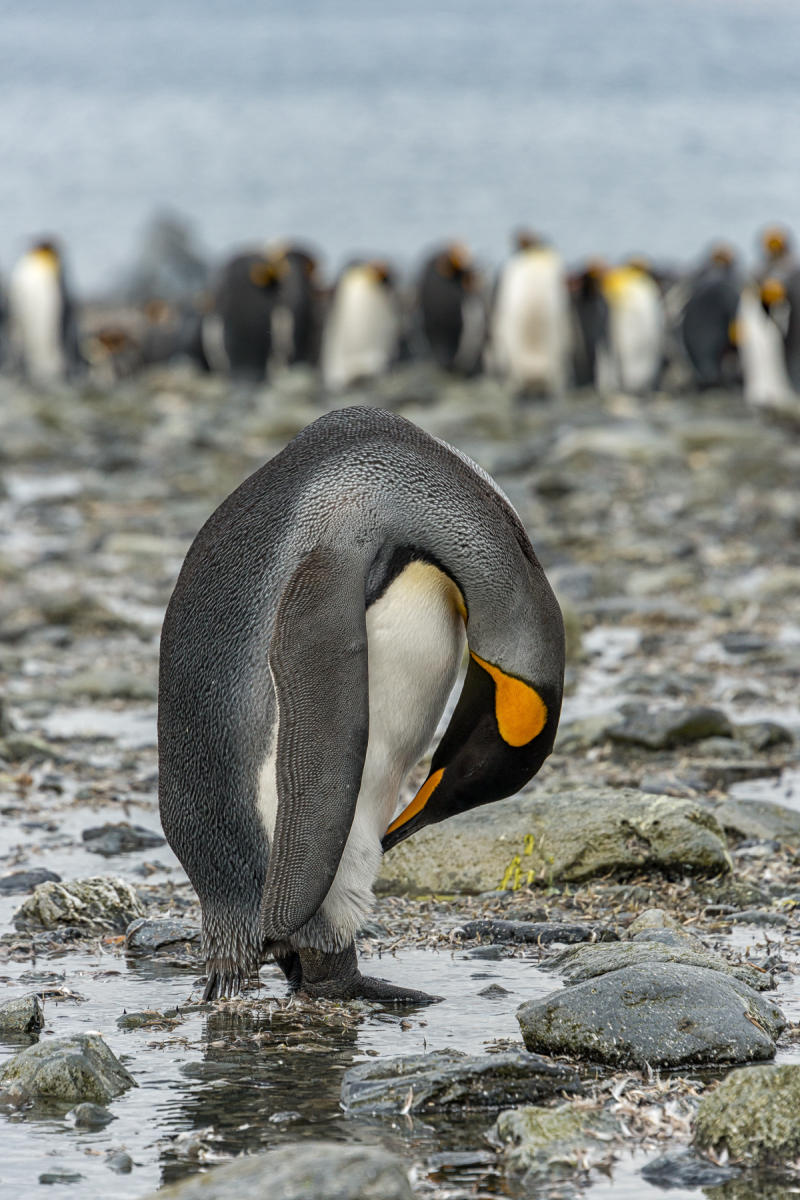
(388, 993)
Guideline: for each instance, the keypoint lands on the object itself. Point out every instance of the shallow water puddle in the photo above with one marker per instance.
(248, 1078)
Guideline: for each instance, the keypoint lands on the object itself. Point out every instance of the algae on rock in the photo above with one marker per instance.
(540, 837)
(72, 1069)
(97, 904)
(753, 1115)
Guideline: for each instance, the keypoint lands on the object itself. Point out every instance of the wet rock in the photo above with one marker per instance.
(588, 962)
(651, 918)
(91, 1116)
(760, 916)
(120, 1162)
(23, 1015)
(120, 838)
(764, 735)
(665, 728)
(25, 747)
(150, 935)
(491, 953)
(322, 1170)
(148, 1018)
(584, 733)
(743, 641)
(75, 1068)
(552, 1142)
(543, 933)
(753, 1116)
(571, 836)
(98, 903)
(683, 1169)
(448, 1081)
(60, 1177)
(657, 1015)
(674, 783)
(25, 881)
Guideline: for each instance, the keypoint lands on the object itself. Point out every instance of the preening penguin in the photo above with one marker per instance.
(41, 315)
(452, 310)
(362, 331)
(530, 325)
(762, 325)
(308, 651)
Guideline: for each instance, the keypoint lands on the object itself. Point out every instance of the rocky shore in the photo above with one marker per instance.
(618, 947)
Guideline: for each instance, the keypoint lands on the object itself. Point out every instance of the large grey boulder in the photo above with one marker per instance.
(570, 836)
(580, 963)
(753, 1116)
(97, 904)
(658, 1015)
(73, 1069)
(665, 728)
(322, 1170)
(448, 1080)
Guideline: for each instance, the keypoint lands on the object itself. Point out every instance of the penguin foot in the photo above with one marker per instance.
(337, 977)
(225, 979)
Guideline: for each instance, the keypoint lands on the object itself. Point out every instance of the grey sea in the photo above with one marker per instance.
(614, 126)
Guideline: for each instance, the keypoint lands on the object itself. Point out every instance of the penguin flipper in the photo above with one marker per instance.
(318, 659)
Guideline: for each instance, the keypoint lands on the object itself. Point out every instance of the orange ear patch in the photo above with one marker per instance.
(420, 800)
(519, 709)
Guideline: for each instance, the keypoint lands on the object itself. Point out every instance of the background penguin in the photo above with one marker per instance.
(707, 322)
(314, 634)
(530, 330)
(636, 328)
(590, 338)
(778, 259)
(760, 325)
(297, 315)
(362, 330)
(451, 308)
(237, 334)
(43, 333)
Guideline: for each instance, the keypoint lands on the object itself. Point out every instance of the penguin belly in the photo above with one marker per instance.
(531, 323)
(762, 354)
(415, 645)
(637, 330)
(37, 309)
(361, 334)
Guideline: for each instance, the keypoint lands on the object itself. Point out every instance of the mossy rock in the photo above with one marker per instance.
(753, 1115)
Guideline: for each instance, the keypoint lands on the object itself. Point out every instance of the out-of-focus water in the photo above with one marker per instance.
(613, 125)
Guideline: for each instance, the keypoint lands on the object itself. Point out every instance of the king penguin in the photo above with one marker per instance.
(237, 332)
(530, 325)
(362, 330)
(707, 322)
(451, 309)
(308, 650)
(762, 325)
(636, 328)
(41, 317)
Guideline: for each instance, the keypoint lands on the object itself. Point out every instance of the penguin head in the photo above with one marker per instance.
(455, 262)
(46, 253)
(526, 239)
(775, 241)
(380, 272)
(263, 273)
(722, 255)
(504, 725)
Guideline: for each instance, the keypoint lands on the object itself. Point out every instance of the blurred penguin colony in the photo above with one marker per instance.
(544, 327)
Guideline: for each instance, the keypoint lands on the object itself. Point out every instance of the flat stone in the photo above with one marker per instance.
(666, 728)
(23, 1015)
(120, 838)
(753, 1116)
(588, 962)
(73, 1069)
(300, 1171)
(60, 1177)
(120, 1163)
(761, 819)
(148, 935)
(760, 916)
(552, 1142)
(684, 1169)
(764, 735)
(656, 1015)
(542, 933)
(97, 904)
(450, 1081)
(542, 838)
(25, 881)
